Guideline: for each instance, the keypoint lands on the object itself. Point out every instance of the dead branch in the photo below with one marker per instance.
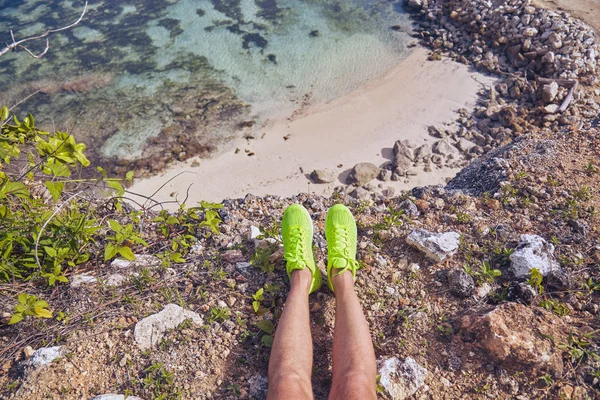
(19, 44)
(568, 99)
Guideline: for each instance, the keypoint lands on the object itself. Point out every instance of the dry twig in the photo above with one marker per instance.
(19, 44)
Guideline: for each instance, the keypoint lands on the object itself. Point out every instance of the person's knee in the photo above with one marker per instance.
(355, 385)
(289, 385)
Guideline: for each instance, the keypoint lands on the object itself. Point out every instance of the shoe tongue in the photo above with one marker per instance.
(339, 263)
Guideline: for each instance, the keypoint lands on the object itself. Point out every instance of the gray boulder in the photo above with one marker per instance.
(363, 173)
(423, 152)
(465, 145)
(401, 379)
(322, 176)
(150, 330)
(444, 148)
(461, 283)
(410, 208)
(403, 148)
(532, 252)
(436, 246)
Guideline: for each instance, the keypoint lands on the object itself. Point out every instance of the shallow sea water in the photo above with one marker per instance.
(141, 69)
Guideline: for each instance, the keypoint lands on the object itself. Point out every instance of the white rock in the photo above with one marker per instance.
(45, 356)
(115, 397)
(533, 252)
(253, 233)
(150, 330)
(465, 145)
(243, 267)
(79, 280)
(401, 379)
(115, 280)
(530, 32)
(120, 263)
(414, 268)
(436, 246)
(551, 108)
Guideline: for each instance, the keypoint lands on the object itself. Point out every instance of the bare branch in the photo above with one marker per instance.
(19, 44)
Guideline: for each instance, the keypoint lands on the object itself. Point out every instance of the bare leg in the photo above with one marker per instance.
(290, 365)
(354, 369)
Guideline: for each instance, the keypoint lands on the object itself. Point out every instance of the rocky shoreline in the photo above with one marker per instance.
(545, 63)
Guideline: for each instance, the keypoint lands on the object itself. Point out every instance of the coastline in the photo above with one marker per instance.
(361, 126)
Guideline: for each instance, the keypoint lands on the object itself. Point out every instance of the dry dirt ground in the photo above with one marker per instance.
(586, 10)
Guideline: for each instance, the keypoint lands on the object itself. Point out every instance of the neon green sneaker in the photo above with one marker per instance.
(297, 233)
(340, 230)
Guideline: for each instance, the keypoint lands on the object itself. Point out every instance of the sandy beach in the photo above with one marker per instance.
(361, 126)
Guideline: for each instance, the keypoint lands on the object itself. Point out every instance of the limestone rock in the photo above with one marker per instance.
(402, 148)
(84, 279)
(532, 252)
(514, 335)
(363, 173)
(423, 152)
(361, 194)
(150, 330)
(322, 176)
(465, 145)
(115, 280)
(45, 356)
(444, 148)
(549, 92)
(401, 379)
(461, 283)
(436, 246)
(385, 175)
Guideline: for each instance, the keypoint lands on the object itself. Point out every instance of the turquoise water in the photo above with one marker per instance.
(144, 78)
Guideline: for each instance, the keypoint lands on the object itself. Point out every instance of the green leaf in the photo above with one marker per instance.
(267, 340)
(266, 326)
(110, 251)
(256, 305)
(17, 189)
(115, 226)
(22, 298)
(42, 312)
(41, 303)
(4, 113)
(55, 189)
(15, 318)
(51, 251)
(176, 257)
(129, 176)
(258, 295)
(116, 185)
(126, 253)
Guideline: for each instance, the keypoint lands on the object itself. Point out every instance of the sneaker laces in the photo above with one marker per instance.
(296, 256)
(340, 257)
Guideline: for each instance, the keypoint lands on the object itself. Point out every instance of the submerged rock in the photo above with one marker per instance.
(401, 379)
(149, 331)
(532, 252)
(436, 246)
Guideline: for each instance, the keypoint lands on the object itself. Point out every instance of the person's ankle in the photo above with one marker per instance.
(343, 282)
(301, 279)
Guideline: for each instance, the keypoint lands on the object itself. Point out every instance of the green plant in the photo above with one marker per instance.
(535, 280)
(258, 297)
(463, 218)
(121, 241)
(578, 347)
(555, 306)
(591, 168)
(547, 379)
(29, 306)
(261, 258)
(485, 274)
(219, 314)
(591, 285)
(158, 382)
(212, 219)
